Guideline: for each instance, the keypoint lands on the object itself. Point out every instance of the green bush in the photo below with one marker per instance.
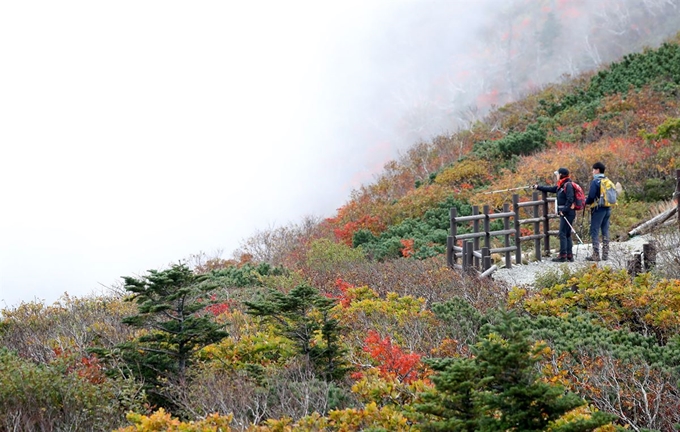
(67, 394)
(660, 66)
(247, 275)
(513, 144)
(551, 277)
(523, 143)
(428, 233)
(326, 255)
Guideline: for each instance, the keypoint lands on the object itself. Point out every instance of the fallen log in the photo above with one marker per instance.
(656, 220)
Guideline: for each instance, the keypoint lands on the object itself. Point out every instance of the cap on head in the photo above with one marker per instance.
(563, 172)
(599, 166)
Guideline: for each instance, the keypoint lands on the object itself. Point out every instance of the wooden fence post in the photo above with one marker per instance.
(537, 227)
(475, 229)
(463, 257)
(518, 241)
(546, 222)
(635, 265)
(486, 259)
(487, 237)
(649, 254)
(506, 226)
(467, 254)
(450, 252)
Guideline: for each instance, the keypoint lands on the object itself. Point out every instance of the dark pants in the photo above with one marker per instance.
(566, 242)
(599, 221)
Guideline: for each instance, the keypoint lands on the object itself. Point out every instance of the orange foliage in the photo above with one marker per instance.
(351, 211)
(407, 250)
(346, 232)
(563, 146)
(393, 361)
(620, 155)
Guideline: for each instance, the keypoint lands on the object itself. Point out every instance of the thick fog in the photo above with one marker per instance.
(137, 133)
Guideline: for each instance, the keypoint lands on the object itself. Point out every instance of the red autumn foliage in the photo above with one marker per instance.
(393, 361)
(218, 308)
(562, 145)
(90, 369)
(86, 367)
(526, 232)
(344, 298)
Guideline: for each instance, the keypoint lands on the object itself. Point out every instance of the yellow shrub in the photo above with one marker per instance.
(162, 421)
(468, 171)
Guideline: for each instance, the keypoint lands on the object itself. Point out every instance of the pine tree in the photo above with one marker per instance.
(171, 308)
(300, 316)
(498, 389)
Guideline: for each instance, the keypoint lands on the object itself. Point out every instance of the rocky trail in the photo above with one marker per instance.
(619, 255)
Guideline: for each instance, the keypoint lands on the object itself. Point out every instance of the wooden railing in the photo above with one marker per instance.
(476, 256)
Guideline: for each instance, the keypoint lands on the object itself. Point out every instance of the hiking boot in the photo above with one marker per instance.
(595, 256)
(570, 258)
(605, 250)
(559, 258)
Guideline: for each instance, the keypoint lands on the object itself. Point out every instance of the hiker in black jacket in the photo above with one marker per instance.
(565, 208)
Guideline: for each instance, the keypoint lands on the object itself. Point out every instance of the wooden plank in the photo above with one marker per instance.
(532, 237)
(532, 220)
(502, 232)
(503, 249)
(501, 215)
(530, 203)
(470, 235)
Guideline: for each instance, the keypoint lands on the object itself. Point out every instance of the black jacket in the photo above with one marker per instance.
(565, 195)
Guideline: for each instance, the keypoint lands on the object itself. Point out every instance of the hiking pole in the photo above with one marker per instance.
(583, 220)
(572, 229)
(506, 190)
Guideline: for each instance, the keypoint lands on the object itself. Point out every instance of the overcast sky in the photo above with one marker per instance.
(136, 133)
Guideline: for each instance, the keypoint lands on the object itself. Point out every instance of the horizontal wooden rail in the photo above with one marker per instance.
(501, 215)
(470, 235)
(500, 232)
(532, 237)
(470, 218)
(502, 249)
(530, 203)
(532, 220)
(477, 243)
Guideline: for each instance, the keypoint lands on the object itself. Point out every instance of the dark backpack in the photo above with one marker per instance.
(579, 196)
